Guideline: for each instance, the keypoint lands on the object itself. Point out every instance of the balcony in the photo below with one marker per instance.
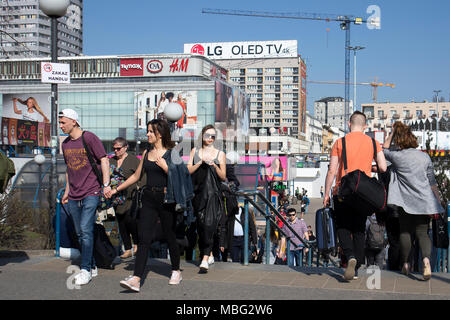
(408, 117)
(396, 116)
(382, 117)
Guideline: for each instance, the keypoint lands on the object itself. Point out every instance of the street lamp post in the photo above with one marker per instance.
(437, 115)
(354, 71)
(54, 9)
(173, 112)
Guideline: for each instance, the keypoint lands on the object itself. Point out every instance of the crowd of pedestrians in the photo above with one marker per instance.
(172, 191)
(412, 197)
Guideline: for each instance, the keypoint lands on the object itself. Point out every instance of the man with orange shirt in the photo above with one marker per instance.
(351, 222)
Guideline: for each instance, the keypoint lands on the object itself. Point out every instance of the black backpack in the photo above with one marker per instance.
(375, 234)
(104, 251)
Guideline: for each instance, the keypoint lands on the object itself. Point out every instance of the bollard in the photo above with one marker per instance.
(448, 224)
(267, 251)
(309, 256)
(288, 251)
(246, 233)
(301, 258)
(58, 222)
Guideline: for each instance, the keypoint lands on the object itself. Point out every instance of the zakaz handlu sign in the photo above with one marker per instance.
(55, 72)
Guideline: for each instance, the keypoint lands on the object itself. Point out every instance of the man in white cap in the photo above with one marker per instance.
(83, 187)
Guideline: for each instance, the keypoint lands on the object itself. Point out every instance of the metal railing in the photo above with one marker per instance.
(270, 213)
(441, 256)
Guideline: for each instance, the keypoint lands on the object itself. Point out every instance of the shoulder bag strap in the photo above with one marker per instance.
(375, 155)
(91, 160)
(344, 155)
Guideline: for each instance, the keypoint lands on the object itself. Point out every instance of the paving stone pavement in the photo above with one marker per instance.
(41, 276)
(46, 277)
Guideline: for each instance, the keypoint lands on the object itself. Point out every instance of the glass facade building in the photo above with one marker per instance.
(117, 95)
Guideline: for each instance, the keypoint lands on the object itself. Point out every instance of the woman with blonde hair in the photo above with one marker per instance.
(32, 109)
(413, 188)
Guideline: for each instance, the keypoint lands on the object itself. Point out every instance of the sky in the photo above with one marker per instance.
(410, 50)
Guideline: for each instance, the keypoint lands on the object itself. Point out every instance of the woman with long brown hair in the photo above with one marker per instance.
(155, 166)
(32, 109)
(413, 188)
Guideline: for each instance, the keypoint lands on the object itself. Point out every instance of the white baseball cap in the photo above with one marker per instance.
(71, 114)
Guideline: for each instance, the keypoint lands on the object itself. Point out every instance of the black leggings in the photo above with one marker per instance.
(127, 229)
(153, 207)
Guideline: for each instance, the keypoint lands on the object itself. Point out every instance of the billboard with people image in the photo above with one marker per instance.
(26, 120)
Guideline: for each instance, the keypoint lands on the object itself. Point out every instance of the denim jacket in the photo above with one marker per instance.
(179, 183)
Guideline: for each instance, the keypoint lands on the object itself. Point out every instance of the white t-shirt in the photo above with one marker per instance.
(238, 230)
(34, 116)
(163, 105)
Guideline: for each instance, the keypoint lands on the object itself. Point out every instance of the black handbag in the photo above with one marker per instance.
(360, 191)
(136, 202)
(440, 231)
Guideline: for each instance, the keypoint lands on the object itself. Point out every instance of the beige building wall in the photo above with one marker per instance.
(381, 116)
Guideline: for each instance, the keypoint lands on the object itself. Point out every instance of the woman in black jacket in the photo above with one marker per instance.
(207, 165)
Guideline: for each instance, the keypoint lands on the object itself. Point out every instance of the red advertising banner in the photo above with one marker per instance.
(5, 131)
(133, 67)
(43, 134)
(27, 132)
(13, 132)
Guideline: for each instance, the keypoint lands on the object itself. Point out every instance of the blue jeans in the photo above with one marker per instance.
(83, 214)
(296, 255)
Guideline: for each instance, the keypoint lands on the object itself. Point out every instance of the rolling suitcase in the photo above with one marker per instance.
(326, 232)
(104, 251)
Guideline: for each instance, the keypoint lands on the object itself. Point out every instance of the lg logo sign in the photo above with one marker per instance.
(198, 48)
(154, 66)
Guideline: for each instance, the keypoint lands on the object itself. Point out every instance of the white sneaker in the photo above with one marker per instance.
(175, 278)
(210, 260)
(94, 272)
(83, 277)
(204, 266)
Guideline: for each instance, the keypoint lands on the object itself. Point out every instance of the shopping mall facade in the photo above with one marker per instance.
(117, 95)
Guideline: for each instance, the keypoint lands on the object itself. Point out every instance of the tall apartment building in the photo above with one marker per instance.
(25, 30)
(331, 111)
(272, 74)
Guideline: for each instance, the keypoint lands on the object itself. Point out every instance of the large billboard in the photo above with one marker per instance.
(244, 50)
(232, 109)
(26, 120)
(151, 105)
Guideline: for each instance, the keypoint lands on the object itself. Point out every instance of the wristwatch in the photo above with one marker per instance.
(106, 184)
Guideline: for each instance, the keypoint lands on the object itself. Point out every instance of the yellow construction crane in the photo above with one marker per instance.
(375, 84)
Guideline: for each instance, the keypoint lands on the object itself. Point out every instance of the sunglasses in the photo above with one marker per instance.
(291, 214)
(210, 136)
(117, 149)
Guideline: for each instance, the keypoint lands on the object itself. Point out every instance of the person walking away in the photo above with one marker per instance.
(350, 221)
(82, 186)
(155, 163)
(296, 246)
(201, 160)
(127, 225)
(375, 242)
(414, 190)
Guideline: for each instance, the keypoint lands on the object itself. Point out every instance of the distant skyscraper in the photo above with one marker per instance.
(25, 30)
(331, 111)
